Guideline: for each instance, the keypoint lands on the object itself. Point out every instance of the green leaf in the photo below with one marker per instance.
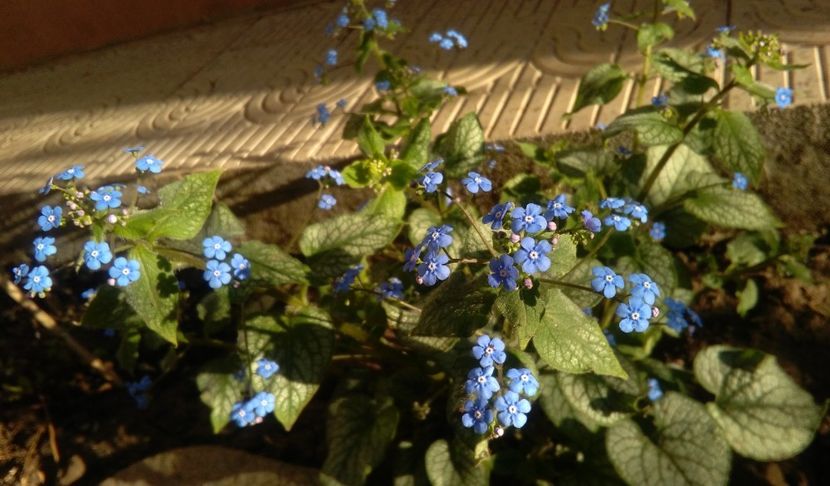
(650, 126)
(763, 414)
(738, 145)
(108, 309)
(220, 389)
(578, 162)
(272, 265)
(599, 86)
(128, 347)
(457, 307)
(655, 261)
(416, 149)
(747, 297)
(354, 234)
(358, 432)
(676, 177)
(155, 295)
(390, 203)
(369, 140)
(604, 400)
(302, 346)
(462, 147)
(571, 341)
(562, 257)
(685, 449)
(404, 322)
(419, 221)
(523, 309)
(183, 208)
(744, 78)
(401, 175)
(215, 310)
(359, 174)
(560, 411)
(649, 35)
(682, 8)
(458, 463)
(730, 208)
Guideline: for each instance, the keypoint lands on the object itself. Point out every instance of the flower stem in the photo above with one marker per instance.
(473, 224)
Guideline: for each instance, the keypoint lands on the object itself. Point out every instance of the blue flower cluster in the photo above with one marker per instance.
(449, 40)
(783, 97)
(253, 411)
(623, 210)
(601, 16)
(499, 396)
(326, 176)
(636, 313)
(433, 264)
(391, 289)
(680, 314)
(138, 391)
(218, 273)
(345, 281)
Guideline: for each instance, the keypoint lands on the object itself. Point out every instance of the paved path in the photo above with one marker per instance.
(241, 92)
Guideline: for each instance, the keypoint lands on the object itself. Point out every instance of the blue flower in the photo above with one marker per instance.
(714, 52)
(644, 288)
(477, 414)
(496, 215)
(88, 294)
(489, 350)
(678, 312)
(19, 272)
(391, 289)
(612, 203)
(657, 231)
(533, 255)
(635, 315)
(242, 414)
(601, 16)
(430, 181)
(475, 182)
(345, 281)
(606, 281)
(381, 19)
(654, 390)
(660, 101)
(528, 218)
(266, 368)
(591, 222)
(512, 409)
(383, 85)
(503, 273)
(480, 381)
(494, 147)
(133, 150)
(369, 24)
(460, 40)
(215, 247)
(49, 217)
(636, 210)
(342, 103)
(331, 57)
(74, 172)
(149, 163)
(319, 70)
(437, 237)
(610, 337)
(620, 223)
(138, 391)
(142, 189)
(241, 267)
(783, 97)
(96, 254)
(435, 38)
(217, 273)
(44, 247)
(106, 197)
(522, 381)
(46, 187)
(410, 258)
(558, 208)
(326, 202)
(432, 165)
(323, 114)
(739, 181)
(38, 280)
(342, 20)
(725, 29)
(433, 268)
(262, 404)
(124, 271)
(450, 91)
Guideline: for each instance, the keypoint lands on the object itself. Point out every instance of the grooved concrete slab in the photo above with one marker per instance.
(242, 93)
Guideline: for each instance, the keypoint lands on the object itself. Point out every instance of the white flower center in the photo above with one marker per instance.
(635, 316)
(646, 285)
(477, 414)
(36, 279)
(512, 409)
(533, 255)
(477, 180)
(125, 271)
(489, 350)
(609, 278)
(523, 377)
(217, 273)
(503, 273)
(528, 219)
(106, 197)
(51, 219)
(94, 253)
(431, 267)
(482, 379)
(40, 246)
(217, 246)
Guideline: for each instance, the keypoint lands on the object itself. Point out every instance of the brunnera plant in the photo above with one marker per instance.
(445, 311)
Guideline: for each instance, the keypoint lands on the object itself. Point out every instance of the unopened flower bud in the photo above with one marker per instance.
(528, 283)
(71, 205)
(655, 312)
(554, 241)
(419, 280)
(498, 431)
(124, 211)
(111, 281)
(81, 213)
(112, 219)
(79, 195)
(514, 238)
(552, 225)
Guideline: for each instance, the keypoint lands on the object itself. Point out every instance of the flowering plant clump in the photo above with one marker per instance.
(563, 284)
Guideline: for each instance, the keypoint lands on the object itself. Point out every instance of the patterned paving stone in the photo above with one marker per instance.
(241, 93)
